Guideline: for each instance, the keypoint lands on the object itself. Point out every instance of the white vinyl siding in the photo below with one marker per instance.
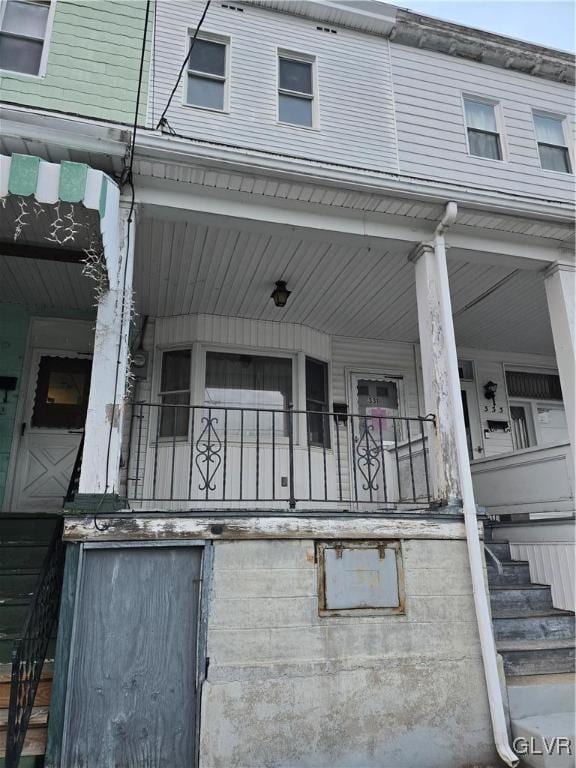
(432, 141)
(355, 120)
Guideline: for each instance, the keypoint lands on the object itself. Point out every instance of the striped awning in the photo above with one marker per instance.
(28, 177)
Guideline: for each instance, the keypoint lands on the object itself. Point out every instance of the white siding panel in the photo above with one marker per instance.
(428, 88)
(354, 83)
(551, 563)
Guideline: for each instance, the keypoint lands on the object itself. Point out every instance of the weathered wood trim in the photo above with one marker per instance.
(62, 658)
(272, 527)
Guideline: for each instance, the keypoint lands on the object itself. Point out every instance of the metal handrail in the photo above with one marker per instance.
(29, 652)
(343, 458)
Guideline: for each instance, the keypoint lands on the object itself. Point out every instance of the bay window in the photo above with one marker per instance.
(175, 391)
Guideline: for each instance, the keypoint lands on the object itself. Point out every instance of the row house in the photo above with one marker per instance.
(287, 383)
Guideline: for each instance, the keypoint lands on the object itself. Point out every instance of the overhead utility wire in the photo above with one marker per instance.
(163, 122)
(126, 178)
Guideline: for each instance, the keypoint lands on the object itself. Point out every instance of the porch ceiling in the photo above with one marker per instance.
(344, 287)
(44, 284)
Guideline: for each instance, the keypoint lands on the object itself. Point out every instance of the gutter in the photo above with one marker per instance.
(483, 617)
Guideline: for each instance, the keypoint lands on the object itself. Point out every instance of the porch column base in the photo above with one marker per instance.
(92, 503)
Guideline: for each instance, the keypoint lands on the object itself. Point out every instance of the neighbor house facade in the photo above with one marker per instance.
(290, 326)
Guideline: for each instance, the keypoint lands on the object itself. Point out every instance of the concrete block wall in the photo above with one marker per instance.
(13, 331)
(286, 688)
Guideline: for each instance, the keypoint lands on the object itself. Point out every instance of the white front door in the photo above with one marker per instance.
(375, 398)
(53, 417)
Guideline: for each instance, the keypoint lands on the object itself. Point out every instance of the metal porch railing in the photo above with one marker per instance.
(30, 650)
(218, 455)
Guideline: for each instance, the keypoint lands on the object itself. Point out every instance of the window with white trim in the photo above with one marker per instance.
(174, 392)
(23, 26)
(554, 155)
(254, 386)
(207, 82)
(482, 129)
(296, 90)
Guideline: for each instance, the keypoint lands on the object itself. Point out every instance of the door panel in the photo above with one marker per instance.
(132, 689)
(53, 421)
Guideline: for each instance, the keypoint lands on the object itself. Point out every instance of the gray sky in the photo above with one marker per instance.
(548, 22)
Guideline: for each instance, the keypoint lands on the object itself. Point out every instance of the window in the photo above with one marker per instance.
(62, 390)
(206, 85)
(174, 391)
(23, 26)
(537, 413)
(377, 402)
(482, 128)
(250, 382)
(552, 143)
(317, 400)
(295, 91)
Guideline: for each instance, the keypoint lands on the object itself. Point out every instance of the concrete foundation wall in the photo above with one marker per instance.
(287, 688)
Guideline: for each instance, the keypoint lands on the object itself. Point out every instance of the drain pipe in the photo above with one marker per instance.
(483, 617)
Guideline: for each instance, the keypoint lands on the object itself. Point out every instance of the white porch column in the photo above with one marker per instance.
(103, 432)
(560, 282)
(435, 351)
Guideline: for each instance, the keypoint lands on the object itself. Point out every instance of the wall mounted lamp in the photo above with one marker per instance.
(490, 392)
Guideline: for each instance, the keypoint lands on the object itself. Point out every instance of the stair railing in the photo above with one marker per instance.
(74, 483)
(30, 649)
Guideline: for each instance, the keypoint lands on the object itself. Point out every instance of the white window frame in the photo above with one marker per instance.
(531, 404)
(562, 119)
(226, 349)
(45, 46)
(307, 58)
(209, 37)
(499, 117)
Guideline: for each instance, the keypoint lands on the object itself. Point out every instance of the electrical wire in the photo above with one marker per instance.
(163, 122)
(127, 179)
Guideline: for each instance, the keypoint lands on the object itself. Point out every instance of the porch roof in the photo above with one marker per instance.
(59, 206)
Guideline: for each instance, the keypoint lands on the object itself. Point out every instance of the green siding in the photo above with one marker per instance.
(13, 330)
(93, 62)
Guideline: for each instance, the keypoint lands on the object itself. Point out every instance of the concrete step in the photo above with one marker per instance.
(537, 656)
(533, 597)
(500, 549)
(530, 695)
(513, 573)
(547, 741)
(534, 625)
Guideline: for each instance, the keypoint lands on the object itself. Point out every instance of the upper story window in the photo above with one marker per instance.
(296, 90)
(23, 25)
(207, 74)
(551, 140)
(482, 129)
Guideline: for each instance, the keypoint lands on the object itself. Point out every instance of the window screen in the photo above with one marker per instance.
(62, 390)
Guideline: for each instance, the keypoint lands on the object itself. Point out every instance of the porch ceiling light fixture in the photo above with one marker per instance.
(490, 392)
(280, 294)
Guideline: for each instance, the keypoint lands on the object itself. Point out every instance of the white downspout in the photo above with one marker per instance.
(483, 617)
